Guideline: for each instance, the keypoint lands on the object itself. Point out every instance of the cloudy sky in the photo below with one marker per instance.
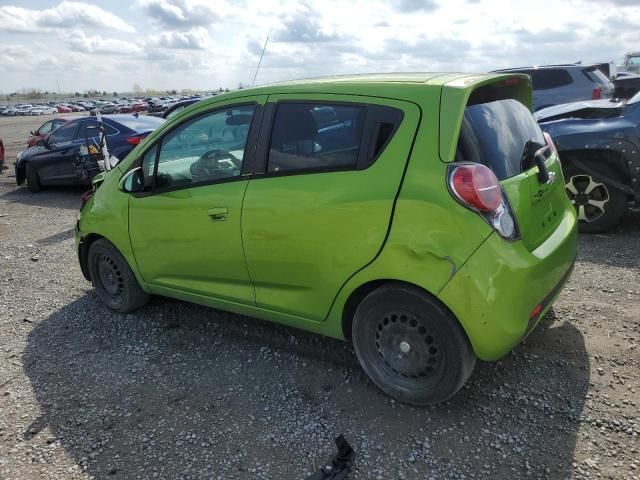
(203, 44)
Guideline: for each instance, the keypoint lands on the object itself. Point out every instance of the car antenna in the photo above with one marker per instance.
(260, 61)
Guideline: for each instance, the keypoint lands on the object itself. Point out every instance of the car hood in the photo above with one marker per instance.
(584, 109)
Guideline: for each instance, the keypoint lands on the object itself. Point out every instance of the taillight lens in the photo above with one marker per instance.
(134, 140)
(597, 93)
(549, 140)
(476, 187)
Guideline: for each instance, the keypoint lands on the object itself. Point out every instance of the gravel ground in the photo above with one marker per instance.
(178, 391)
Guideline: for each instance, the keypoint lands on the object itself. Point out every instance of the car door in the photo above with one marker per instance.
(319, 204)
(54, 162)
(185, 231)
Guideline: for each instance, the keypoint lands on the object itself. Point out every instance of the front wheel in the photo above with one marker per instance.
(411, 346)
(33, 179)
(599, 205)
(115, 283)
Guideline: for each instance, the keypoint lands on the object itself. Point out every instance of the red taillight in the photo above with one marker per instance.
(84, 198)
(134, 140)
(597, 93)
(536, 311)
(477, 186)
(549, 140)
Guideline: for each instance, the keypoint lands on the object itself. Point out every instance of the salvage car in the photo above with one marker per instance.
(1, 155)
(599, 144)
(43, 110)
(380, 209)
(54, 159)
(556, 84)
(45, 129)
(626, 84)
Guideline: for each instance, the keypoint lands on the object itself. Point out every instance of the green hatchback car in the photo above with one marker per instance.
(423, 217)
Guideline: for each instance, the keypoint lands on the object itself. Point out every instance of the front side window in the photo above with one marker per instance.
(309, 136)
(207, 148)
(46, 128)
(63, 134)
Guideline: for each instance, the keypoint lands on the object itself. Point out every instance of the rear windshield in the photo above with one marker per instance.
(596, 76)
(142, 123)
(501, 135)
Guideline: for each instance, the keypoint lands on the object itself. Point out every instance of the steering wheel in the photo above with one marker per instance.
(214, 164)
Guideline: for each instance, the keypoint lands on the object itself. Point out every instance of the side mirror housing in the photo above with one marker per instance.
(132, 181)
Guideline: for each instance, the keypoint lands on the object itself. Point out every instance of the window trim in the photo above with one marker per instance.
(373, 112)
(249, 151)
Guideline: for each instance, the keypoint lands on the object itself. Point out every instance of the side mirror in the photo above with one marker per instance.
(132, 181)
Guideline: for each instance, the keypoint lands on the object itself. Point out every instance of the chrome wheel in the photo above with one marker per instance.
(587, 196)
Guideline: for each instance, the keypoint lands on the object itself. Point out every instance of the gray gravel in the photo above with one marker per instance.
(178, 391)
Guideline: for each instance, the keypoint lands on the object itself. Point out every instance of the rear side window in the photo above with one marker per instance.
(309, 136)
(88, 130)
(596, 76)
(548, 78)
(501, 135)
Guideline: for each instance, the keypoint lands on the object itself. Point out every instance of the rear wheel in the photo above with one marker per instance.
(33, 180)
(598, 203)
(115, 283)
(410, 346)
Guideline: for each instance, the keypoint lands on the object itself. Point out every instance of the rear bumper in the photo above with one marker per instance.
(494, 294)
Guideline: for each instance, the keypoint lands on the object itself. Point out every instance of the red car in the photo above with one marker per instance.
(63, 109)
(139, 107)
(125, 108)
(45, 129)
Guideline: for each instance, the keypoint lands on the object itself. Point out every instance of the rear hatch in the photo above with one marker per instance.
(503, 135)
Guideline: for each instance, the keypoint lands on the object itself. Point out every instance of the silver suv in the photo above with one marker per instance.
(556, 84)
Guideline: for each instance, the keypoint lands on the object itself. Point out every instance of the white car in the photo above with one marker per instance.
(43, 111)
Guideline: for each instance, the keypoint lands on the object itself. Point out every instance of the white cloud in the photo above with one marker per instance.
(179, 14)
(194, 39)
(79, 42)
(62, 16)
(219, 43)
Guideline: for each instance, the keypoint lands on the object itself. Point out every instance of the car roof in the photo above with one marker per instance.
(363, 84)
(546, 67)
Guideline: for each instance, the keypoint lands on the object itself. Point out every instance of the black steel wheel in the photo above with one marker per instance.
(113, 279)
(599, 204)
(410, 345)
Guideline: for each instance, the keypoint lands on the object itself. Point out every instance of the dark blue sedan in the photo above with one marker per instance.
(53, 161)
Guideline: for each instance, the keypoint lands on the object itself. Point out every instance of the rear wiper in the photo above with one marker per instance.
(537, 156)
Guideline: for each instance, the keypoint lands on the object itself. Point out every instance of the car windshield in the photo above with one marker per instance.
(634, 60)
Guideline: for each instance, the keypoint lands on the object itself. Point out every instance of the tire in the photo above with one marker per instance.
(115, 283)
(410, 345)
(598, 204)
(33, 180)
